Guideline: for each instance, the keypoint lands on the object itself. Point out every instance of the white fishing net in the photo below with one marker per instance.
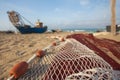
(91, 74)
(70, 60)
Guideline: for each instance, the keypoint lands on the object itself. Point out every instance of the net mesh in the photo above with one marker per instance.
(91, 74)
(70, 60)
(14, 17)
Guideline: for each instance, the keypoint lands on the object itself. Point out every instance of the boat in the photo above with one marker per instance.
(18, 21)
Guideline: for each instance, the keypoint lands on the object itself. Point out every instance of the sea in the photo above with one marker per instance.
(90, 30)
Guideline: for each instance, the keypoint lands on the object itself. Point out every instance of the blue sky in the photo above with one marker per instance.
(60, 13)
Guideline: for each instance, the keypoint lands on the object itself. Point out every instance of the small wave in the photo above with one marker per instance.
(79, 30)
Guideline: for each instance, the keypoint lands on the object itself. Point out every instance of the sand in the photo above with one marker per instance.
(15, 48)
(107, 35)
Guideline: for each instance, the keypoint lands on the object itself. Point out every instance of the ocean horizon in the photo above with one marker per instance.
(85, 29)
(91, 30)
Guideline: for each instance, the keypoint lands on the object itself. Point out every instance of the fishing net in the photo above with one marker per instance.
(70, 60)
(14, 17)
(108, 49)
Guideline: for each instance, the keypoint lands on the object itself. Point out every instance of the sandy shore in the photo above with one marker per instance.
(108, 35)
(15, 48)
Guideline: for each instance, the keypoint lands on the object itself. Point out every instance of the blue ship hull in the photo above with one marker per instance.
(25, 30)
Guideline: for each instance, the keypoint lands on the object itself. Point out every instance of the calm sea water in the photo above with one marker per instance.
(91, 30)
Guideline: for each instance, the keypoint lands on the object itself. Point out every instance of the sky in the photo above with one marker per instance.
(60, 13)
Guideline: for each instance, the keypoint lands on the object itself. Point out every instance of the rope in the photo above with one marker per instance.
(27, 20)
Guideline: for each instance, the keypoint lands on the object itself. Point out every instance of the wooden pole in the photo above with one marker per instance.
(113, 17)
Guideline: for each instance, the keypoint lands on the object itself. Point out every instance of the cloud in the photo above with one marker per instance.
(84, 2)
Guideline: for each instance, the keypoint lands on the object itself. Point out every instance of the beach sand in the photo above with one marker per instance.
(15, 48)
(108, 35)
